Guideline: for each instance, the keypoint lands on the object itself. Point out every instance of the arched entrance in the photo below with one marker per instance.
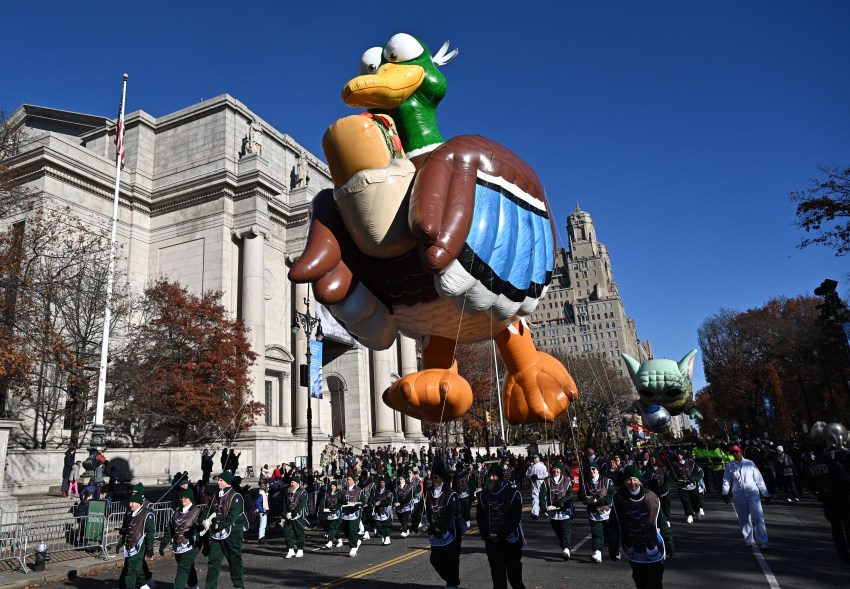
(337, 389)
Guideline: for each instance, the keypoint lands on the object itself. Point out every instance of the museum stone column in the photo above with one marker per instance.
(383, 365)
(407, 346)
(254, 302)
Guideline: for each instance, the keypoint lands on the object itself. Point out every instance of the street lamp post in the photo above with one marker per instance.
(309, 323)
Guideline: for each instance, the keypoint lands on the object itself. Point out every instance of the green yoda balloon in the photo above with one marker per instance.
(666, 383)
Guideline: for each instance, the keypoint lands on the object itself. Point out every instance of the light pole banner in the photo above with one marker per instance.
(316, 369)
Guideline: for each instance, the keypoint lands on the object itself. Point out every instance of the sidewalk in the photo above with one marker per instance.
(69, 565)
(57, 571)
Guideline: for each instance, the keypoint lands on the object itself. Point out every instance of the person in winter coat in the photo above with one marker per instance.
(263, 510)
(743, 479)
(639, 531)
(74, 479)
(67, 465)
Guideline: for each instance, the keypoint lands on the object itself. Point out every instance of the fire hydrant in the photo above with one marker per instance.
(41, 556)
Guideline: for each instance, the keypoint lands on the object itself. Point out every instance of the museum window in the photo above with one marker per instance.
(268, 411)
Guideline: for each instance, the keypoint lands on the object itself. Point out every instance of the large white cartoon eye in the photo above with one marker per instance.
(402, 47)
(370, 61)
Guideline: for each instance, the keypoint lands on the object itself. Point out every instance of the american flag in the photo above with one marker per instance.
(119, 133)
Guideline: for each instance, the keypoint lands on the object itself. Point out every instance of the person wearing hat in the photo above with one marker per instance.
(640, 528)
(599, 493)
(826, 472)
(227, 513)
(138, 542)
(659, 482)
(461, 485)
(122, 537)
(367, 518)
(786, 470)
(418, 500)
(508, 471)
(536, 473)
(181, 484)
(351, 511)
(182, 534)
(404, 502)
(498, 514)
(330, 510)
(688, 476)
(296, 518)
(743, 479)
(383, 510)
(445, 526)
(480, 476)
(556, 498)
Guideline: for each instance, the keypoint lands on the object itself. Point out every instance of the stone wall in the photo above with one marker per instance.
(35, 471)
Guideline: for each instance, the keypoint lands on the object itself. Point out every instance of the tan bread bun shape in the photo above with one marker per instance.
(353, 144)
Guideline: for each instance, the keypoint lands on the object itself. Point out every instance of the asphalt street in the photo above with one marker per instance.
(709, 554)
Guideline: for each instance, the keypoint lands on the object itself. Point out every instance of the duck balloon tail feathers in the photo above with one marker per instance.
(444, 56)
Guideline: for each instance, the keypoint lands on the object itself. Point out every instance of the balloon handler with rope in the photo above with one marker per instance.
(296, 518)
(225, 525)
(445, 242)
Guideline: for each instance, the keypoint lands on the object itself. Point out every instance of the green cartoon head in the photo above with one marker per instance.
(664, 382)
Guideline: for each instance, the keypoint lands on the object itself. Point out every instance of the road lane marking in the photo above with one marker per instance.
(381, 566)
(580, 544)
(771, 579)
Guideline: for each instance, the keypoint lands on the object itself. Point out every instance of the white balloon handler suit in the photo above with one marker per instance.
(747, 486)
(537, 473)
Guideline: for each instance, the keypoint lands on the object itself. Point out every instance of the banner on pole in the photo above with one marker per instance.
(316, 369)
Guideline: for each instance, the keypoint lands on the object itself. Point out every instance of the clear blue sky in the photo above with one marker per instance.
(680, 126)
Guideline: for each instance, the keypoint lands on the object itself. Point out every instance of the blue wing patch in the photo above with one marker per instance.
(510, 244)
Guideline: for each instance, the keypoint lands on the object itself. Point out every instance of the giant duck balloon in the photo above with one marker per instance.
(444, 241)
(666, 383)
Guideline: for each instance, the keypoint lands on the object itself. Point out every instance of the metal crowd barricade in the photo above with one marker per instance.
(84, 532)
(115, 518)
(13, 544)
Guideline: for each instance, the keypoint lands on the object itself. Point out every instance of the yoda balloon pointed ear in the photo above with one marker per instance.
(632, 365)
(686, 364)
(665, 382)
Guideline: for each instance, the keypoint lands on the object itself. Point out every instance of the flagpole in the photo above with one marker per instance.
(98, 431)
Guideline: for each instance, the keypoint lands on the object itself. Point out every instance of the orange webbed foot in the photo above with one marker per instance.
(541, 392)
(537, 387)
(434, 394)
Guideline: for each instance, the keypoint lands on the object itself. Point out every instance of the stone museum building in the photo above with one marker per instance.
(215, 198)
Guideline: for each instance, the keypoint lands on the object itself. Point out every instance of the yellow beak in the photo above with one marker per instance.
(388, 88)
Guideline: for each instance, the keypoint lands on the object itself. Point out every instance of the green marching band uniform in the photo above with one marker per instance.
(688, 477)
(330, 512)
(351, 511)
(382, 512)
(405, 497)
(368, 500)
(600, 492)
(461, 485)
(445, 527)
(639, 527)
(182, 534)
(556, 498)
(418, 501)
(296, 518)
(122, 537)
(138, 542)
(659, 482)
(226, 531)
(498, 515)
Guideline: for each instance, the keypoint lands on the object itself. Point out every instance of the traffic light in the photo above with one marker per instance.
(487, 416)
